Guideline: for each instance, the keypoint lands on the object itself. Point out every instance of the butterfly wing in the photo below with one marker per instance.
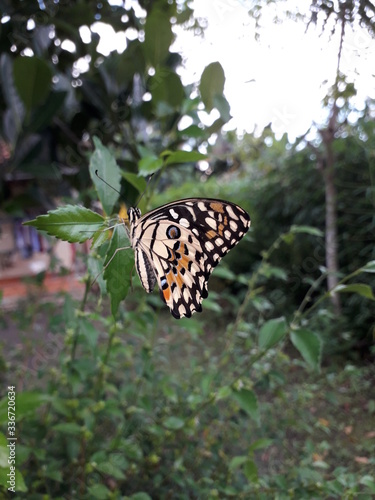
(183, 242)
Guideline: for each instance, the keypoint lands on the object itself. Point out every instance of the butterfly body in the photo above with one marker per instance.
(178, 245)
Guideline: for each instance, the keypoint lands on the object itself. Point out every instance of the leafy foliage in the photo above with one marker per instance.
(49, 115)
(280, 195)
(125, 408)
(120, 401)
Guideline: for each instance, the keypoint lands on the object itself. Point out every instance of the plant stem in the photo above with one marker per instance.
(250, 290)
(77, 324)
(328, 293)
(307, 298)
(245, 370)
(112, 333)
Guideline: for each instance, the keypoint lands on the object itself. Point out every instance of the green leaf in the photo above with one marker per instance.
(166, 86)
(158, 37)
(236, 462)
(259, 444)
(251, 471)
(32, 79)
(308, 344)
(88, 332)
(211, 304)
(4, 451)
(215, 127)
(55, 475)
(248, 402)
(307, 230)
(119, 264)
(104, 163)
(68, 428)
(272, 332)
(26, 403)
(149, 165)
(99, 238)
(359, 288)
(271, 271)
(224, 392)
(42, 170)
(95, 270)
(225, 273)
(184, 157)
(140, 495)
(369, 482)
(211, 84)
(369, 267)
(71, 223)
(20, 483)
(44, 114)
(320, 464)
(109, 469)
(135, 180)
(174, 423)
(99, 491)
(192, 131)
(222, 105)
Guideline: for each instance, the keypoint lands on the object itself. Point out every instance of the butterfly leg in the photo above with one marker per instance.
(110, 260)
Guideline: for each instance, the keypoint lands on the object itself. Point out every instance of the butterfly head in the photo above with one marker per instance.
(133, 214)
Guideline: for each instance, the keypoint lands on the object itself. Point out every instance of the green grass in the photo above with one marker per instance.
(156, 399)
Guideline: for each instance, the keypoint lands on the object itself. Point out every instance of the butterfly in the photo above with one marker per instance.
(179, 244)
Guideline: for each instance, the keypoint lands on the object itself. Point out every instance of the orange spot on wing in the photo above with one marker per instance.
(184, 262)
(217, 206)
(179, 280)
(220, 229)
(211, 234)
(167, 294)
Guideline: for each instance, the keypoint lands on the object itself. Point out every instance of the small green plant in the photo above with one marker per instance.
(130, 404)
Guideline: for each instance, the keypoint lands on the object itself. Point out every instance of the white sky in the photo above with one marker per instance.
(281, 79)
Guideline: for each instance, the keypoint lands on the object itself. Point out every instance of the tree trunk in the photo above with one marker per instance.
(331, 242)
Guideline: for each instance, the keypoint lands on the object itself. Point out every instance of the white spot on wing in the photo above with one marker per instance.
(219, 242)
(231, 212)
(233, 225)
(201, 281)
(182, 310)
(209, 246)
(188, 280)
(211, 222)
(192, 212)
(184, 222)
(186, 295)
(173, 213)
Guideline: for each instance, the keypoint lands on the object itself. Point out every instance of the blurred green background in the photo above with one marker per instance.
(269, 392)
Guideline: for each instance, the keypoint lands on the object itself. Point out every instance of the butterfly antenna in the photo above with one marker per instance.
(105, 182)
(141, 196)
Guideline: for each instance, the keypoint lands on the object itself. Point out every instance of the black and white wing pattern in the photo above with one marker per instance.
(179, 244)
